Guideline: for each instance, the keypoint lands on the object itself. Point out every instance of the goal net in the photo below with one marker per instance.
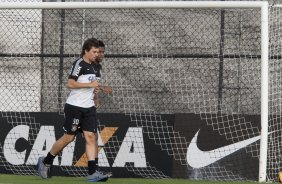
(186, 82)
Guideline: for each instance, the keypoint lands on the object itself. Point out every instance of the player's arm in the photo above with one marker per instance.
(73, 84)
(96, 100)
(106, 89)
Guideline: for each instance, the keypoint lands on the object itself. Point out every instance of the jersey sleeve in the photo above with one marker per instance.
(75, 71)
(99, 74)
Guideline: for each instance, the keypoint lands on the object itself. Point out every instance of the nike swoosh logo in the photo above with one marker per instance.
(197, 158)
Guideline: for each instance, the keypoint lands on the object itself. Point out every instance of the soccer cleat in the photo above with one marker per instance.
(97, 176)
(108, 174)
(44, 170)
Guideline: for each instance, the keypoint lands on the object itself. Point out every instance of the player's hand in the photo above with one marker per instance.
(97, 90)
(95, 84)
(107, 89)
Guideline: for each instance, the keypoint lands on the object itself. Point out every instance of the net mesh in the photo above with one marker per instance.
(274, 139)
(204, 62)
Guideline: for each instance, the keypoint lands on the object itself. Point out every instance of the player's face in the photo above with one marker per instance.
(101, 55)
(92, 54)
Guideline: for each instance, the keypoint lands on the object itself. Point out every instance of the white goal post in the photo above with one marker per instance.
(262, 5)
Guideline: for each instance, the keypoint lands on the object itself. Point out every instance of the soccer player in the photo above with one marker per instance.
(99, 60)
(104, 89)
(80, 111)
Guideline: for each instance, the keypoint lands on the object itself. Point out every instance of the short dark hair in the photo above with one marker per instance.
(88, 44)
(101, 43)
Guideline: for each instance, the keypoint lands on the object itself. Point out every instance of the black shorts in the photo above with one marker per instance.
(79, 119)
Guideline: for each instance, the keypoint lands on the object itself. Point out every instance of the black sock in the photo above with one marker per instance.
(91, 166)
(96, 162)
(49, 159)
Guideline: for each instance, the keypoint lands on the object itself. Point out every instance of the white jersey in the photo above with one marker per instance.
(83, 72)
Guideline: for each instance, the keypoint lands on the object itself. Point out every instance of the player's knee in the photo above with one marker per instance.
(89, 137)
(68, 138)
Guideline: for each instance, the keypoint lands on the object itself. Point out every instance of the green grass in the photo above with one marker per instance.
(17, 179)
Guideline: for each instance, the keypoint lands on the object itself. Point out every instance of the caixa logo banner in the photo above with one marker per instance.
(46, 137)
(121, 143)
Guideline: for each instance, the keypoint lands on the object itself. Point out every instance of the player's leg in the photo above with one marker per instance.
(89, 149)
(45, 163)
(58, 146)
(71, 121)
(96, 150)
(109, 174)
(93, 174)
(89, 126)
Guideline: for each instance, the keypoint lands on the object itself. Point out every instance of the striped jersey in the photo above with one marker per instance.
(83, 72)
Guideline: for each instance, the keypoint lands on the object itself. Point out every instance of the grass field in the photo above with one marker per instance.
(17, 179)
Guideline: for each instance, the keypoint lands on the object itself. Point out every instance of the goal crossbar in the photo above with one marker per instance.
(133, 4)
